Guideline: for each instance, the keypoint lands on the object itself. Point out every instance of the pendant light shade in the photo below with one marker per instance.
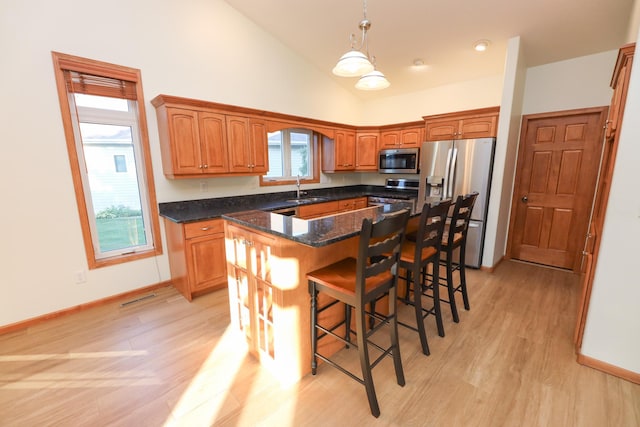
(373, 80)
(357, 63)
(353, 64)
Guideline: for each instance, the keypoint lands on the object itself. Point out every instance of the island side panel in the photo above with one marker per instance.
(272, 271)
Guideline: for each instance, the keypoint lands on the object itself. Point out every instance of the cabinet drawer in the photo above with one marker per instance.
(203, 228)
(346, 205)
(318, 209)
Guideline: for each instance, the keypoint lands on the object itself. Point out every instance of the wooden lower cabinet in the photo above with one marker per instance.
(196, 256)
(327, 208)
(318, 209)
(352, 204)
(269, 299)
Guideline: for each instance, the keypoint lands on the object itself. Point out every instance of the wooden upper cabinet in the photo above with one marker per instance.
(247, 142)
(339, 153)
(411, 137)
(239, 144)
(259, 146)
(196, 140)
(367, 151)
(184, 149)
(463, 125)
(390, 139)
(192, 142)
(402, 137)
(213, 146)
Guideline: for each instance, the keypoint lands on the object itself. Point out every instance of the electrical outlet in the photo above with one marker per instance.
(204, 187)
(80, 277)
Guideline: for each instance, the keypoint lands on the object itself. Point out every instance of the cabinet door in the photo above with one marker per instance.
(345, 150)
(184, 140)
(411, 137)
(206, 260)
(259, 146)
(264, 295)
(237, 252)
(214, 142)
(390, 139)
(318, 209)
(252, 298)
(367, 151)
(238, 144)
(361, 202)
(438, 130)
(478, 127)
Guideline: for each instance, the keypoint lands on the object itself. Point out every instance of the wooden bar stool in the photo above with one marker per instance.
(455, 236)
(356, 283)
(419, 251)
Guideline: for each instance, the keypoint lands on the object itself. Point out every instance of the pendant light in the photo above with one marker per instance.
(373, 80)
(356, 63)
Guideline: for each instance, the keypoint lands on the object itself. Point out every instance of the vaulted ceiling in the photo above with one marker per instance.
(441, 34)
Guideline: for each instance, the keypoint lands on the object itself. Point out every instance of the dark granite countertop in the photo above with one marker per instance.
(314, 232)
(198, 210)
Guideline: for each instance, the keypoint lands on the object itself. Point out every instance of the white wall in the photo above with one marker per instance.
(613, 323)
(202, 50)
(506, 152)
(574, 83)
(460, 96)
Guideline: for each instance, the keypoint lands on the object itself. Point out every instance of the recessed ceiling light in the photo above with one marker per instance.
(418, 62)
(481, 45)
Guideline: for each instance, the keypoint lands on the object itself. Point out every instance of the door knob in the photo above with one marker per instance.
(525, 199)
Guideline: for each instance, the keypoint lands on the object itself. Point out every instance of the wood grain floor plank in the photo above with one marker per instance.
(163, 361)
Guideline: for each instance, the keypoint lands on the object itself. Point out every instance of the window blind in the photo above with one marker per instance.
(89, 84)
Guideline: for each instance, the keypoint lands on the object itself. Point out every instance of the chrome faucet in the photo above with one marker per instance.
(298, 185)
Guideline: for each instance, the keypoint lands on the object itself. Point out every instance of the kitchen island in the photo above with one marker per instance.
(268, 256)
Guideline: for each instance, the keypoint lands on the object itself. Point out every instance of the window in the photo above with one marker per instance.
(121, 162)
(292, 153)
(105, 126)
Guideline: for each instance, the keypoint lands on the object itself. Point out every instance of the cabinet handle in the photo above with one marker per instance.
(200, 167)
(206, 166)
(205, 228)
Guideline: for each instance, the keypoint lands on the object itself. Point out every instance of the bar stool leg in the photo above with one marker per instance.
(436, 297)
(314, 330)
(463, 279)
(417, 305)
(363, 351)
(451, 290)
(347, 324)
(395, 342)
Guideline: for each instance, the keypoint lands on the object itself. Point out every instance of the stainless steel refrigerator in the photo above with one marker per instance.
(450, 168)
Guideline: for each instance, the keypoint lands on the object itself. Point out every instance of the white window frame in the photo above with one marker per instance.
(129, 86)
(286, 154)
(116, 118)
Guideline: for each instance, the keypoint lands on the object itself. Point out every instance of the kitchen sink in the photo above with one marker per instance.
(308, 200)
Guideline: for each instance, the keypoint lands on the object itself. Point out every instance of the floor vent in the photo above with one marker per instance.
(133, 301)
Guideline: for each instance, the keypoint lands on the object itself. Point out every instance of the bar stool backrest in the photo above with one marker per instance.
(431, 228)
(457, 232)
(379, 249)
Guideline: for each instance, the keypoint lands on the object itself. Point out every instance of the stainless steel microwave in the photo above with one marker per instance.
(399, 160)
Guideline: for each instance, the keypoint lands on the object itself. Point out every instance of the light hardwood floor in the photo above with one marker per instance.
(164, 362)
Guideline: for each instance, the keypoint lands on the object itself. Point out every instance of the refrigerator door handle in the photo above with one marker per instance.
(445, 184)
(451, 171)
